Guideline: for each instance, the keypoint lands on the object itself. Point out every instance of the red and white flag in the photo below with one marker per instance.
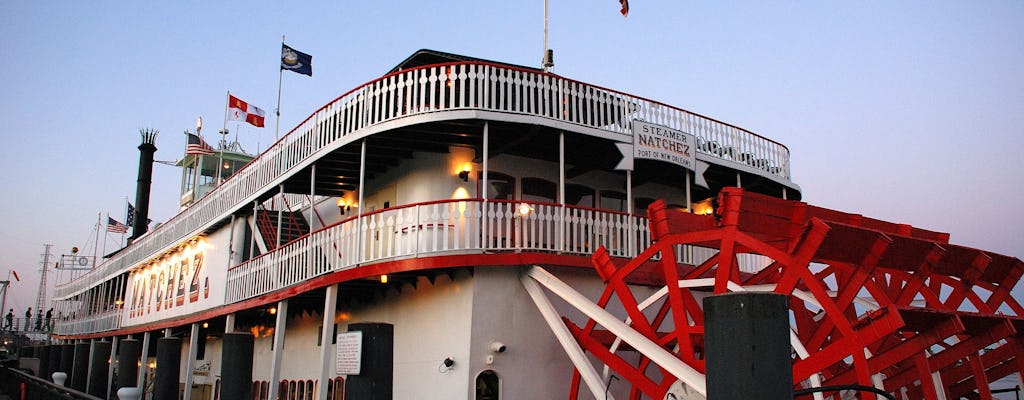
(239, 110)
(15, 273)
(625, 7)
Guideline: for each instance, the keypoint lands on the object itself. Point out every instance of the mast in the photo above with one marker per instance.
(41, 296)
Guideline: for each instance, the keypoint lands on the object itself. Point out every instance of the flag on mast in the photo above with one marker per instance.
(296, 61)
(196, 145)
(239, 110)
(625, 7)
(114, 226)
(129, 218)
(15, 273)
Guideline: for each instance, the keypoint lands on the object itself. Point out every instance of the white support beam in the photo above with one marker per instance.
(190, 365)
(590, 376)
(143, 361)
(327, 367)
(645, 346)
(278, 353)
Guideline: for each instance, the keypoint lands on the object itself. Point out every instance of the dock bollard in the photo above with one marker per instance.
(59, 378)
(129, 393)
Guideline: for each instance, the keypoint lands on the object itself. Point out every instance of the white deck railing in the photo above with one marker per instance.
(452, 87)
(437, 228)
(470, 226)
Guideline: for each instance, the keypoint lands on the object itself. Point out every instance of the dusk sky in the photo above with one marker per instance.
(908, 111)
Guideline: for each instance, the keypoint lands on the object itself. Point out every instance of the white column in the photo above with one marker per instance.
(88, 369)
(359, 206)
(327, 367)
(561, 192)
(143, 360)
(190, 366)
(484, 241)
(689, 198)
(312, 196)
(110, 364)
(229, 323)
(275, 365)
(280, 216)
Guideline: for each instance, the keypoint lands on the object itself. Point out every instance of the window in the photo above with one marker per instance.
(487, 387)
(613, 201)
(500, 186)
(640, 205)
(539, 190)
(579, 195)
(190, 178)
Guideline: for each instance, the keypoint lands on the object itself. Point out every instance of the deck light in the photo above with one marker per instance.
(524, 209)
(272, 311)
(464, 174)
(384, 278)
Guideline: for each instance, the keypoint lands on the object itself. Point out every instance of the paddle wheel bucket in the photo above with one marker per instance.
(871, 303)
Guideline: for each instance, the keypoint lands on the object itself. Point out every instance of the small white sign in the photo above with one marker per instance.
(656, 142)
(350, 351)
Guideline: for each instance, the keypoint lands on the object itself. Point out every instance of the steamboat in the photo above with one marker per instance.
(460, 228)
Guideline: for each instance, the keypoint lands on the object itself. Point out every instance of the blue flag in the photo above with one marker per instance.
(296, 61)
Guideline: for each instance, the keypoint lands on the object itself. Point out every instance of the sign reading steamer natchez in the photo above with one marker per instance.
(175, 281)
(661, 143)
(656, 142)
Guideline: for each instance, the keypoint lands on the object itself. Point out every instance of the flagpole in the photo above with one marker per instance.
(99, 218)
(226, 102)
(277, 111)
(223, 142)
(544, 56)
(98, 215)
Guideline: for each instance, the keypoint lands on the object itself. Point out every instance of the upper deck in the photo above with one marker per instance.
(431, 107)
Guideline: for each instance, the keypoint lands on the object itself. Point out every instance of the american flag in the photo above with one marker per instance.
(116, 227)
(129, 218)
(196, 145)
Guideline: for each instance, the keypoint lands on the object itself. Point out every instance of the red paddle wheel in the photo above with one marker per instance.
(871, 302)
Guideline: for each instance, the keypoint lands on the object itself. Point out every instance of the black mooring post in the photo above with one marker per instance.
(44, 362)
(128, 353)
(54, 366)
(80, 366)
(168, 368)
(98, 371)
(236, 362)
(376, 376)
(748, 353)
(67, 361)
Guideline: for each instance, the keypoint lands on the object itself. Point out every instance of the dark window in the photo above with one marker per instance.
(640, 205)
(539, 190)
(500, 186)
(613, 201)
(487, 386)
(579, 195)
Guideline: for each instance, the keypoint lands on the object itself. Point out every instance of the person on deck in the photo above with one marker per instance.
(10, 320)
(28, 318)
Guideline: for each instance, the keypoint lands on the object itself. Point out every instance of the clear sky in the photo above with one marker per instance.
(909, 111)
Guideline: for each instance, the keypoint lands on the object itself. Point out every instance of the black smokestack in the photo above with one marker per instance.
(146, 151)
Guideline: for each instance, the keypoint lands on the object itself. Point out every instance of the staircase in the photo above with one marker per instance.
(293, 226)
